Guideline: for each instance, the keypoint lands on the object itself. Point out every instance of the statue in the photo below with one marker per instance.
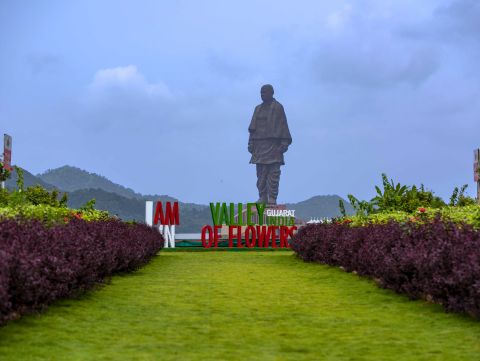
(269, 139)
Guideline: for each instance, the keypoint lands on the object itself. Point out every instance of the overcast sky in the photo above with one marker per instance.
(158, 95)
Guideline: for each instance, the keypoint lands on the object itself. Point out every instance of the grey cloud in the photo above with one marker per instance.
(455, 23)
(422, 64)
(461, 18)
(41, 63)
(361, 96)
(377, 67)
(369, 50)
(227, 68)
(122, 99)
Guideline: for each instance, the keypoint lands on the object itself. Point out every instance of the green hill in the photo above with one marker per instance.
(72, 179)
(192, 216)
(319, 207)
(129, 205)
(28, 179)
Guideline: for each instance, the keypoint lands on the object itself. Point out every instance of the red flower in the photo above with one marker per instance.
(422, 210)
(347, 221)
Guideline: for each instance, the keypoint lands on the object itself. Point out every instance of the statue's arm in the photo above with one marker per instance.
(251, 129)
(250, 144)
(286, 137)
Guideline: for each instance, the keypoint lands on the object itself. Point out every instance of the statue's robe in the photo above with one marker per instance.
(269, 133)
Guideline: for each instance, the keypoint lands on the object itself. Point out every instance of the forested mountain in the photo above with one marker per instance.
(125, 203)
(71, 179)
(28, 179)
(319, 206)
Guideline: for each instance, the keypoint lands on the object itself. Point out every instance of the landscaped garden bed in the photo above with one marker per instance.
(407, 240)
(48, 251)
(437, 261)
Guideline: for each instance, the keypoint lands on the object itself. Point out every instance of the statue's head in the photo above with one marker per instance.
(266, 93)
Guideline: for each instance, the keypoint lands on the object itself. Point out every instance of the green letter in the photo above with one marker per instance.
(249, 214)
(224, 215)
(260, 210)
(215, 214)
(232, 215)
(241, 221)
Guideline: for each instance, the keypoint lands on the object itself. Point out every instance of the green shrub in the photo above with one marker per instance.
(20, 182)
(64, 200)
(89, 206)
(459, 199)
(33, 195)
(403, 198)
(51, 215)
(3, 197)
(362, 208)
(37, 195)
(397, 197)
(36, 202)
(467, 214)
(4, 173)
(341, 206)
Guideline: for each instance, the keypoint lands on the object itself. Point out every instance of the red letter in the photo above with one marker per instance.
(238, 236)
(290, 233)
(263, 235)
(171, 217)
(250, 243)
(286, 232)
(283, 237)
(274, 235)
(216, 236)
(204, 241)
(158, 214)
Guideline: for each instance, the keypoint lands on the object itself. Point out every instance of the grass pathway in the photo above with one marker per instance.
(240, 306)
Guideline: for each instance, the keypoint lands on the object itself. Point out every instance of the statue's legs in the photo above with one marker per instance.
(268, 180)
(262, 174)
(273, 181)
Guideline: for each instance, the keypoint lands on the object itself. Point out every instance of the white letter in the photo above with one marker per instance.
(149, 213)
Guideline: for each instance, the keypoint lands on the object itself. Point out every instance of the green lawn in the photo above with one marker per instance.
(240, 306)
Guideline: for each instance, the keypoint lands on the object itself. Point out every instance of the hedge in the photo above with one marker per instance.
(39, 264)
(438, 261)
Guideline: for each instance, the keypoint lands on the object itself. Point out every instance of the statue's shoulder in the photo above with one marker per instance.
(278, 104)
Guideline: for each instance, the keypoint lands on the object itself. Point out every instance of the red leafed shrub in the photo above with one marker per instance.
(39, 264)
(438, 261)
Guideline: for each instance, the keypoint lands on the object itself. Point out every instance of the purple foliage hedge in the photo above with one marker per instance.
(39, 264)
(437, 261)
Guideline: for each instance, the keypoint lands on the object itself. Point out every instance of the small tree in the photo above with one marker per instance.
(20, 181)
(89, 206)
(4, 173)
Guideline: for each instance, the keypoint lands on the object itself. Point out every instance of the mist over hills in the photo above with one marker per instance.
(124, 202)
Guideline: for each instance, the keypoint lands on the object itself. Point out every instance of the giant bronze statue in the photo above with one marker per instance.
(269, 139)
